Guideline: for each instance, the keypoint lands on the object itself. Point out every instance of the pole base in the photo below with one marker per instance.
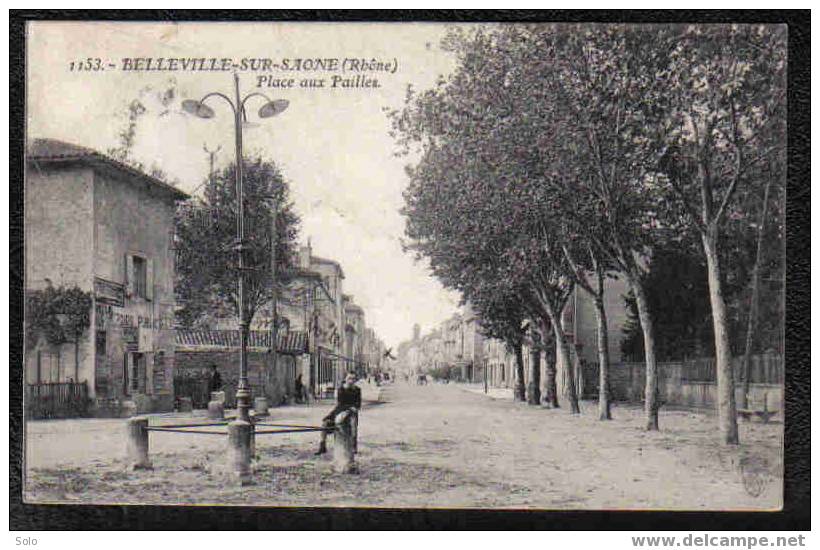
(240, 435)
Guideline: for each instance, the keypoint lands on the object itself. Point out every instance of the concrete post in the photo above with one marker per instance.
(240, 434)
(260, 406)
(185, 405)
(216, 410)
(253, 420)
(344, 443)
(136, 446)
(354, 432)
(128, 409)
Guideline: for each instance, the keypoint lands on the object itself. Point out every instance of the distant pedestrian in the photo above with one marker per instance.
(299, 389)
(215, 382)
(348, 398)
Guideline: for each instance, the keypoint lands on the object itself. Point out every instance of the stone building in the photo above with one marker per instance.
(198, 350)
(354, 337)
(374, 354)
(107, 228)
(407, 354)
(458, 342)
(309, 316)
(581, 329)
(336, 325)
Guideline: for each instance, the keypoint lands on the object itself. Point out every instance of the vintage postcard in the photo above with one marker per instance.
(405, 265)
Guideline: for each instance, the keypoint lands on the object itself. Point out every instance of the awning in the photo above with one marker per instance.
(293, 342)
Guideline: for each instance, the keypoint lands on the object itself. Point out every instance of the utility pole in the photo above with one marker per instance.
(274, 290)
(211, 159)
(753, 305)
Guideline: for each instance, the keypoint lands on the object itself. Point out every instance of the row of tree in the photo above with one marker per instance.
(558, 156)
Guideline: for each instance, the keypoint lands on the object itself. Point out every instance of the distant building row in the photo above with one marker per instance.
(458, 343)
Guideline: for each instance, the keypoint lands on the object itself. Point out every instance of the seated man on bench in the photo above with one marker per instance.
(348, 398)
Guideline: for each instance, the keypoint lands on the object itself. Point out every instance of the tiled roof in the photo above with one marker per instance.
(318, 260)
(291, 343)
(305, 273)
(54, 150)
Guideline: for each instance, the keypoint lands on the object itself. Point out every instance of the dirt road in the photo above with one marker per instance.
(430, 446)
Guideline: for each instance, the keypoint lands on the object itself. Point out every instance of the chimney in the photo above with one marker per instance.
(304, 256)
(416, 331)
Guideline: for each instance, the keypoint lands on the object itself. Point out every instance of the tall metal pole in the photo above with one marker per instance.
(211, 160)
(274, 290)
(243, 395)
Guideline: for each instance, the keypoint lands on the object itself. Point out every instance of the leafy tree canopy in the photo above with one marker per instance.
(60, 314)
(207, 261)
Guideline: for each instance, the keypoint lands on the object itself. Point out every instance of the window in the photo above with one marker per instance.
(159, 372)
(100, 363)
(126, 366)
(138, 372)
(140, 277)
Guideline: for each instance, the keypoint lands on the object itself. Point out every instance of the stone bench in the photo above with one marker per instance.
(763, 413)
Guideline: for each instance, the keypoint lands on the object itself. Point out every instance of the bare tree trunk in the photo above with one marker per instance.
(77, 359)
(520, 388)
(750, 325)
(651, 401)
(566, 362)
(534, 386)
(550, 383)
(604, 412)
(727, 412)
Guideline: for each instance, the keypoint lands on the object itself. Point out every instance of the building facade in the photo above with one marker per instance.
(458, 342)
(456, 345)
(107, 228)
(338, 336)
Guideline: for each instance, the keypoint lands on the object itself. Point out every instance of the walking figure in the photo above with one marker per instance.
(215, 382)
(348, 398)
(299, 389)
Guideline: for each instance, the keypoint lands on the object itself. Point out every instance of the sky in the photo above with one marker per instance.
(331, 144)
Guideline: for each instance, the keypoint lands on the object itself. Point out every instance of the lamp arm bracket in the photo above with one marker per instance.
(219, 94)
(254, 94)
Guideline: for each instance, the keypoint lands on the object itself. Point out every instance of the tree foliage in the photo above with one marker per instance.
(149, 101)
(552, 151)
(60, 314)
(726, 119)
(207, 261)
(678, 298)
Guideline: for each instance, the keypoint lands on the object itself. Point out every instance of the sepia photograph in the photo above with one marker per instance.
(412, 265)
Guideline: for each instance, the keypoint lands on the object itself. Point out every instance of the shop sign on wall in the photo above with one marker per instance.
(109, 292)
(114, 316)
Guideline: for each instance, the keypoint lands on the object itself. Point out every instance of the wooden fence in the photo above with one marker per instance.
(689, 383)
(57, 400)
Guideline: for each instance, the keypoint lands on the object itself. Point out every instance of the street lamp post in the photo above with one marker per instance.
(269, 109)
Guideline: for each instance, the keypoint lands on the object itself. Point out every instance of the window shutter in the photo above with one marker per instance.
(149, 278)
(129, 275)
(126, 372)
